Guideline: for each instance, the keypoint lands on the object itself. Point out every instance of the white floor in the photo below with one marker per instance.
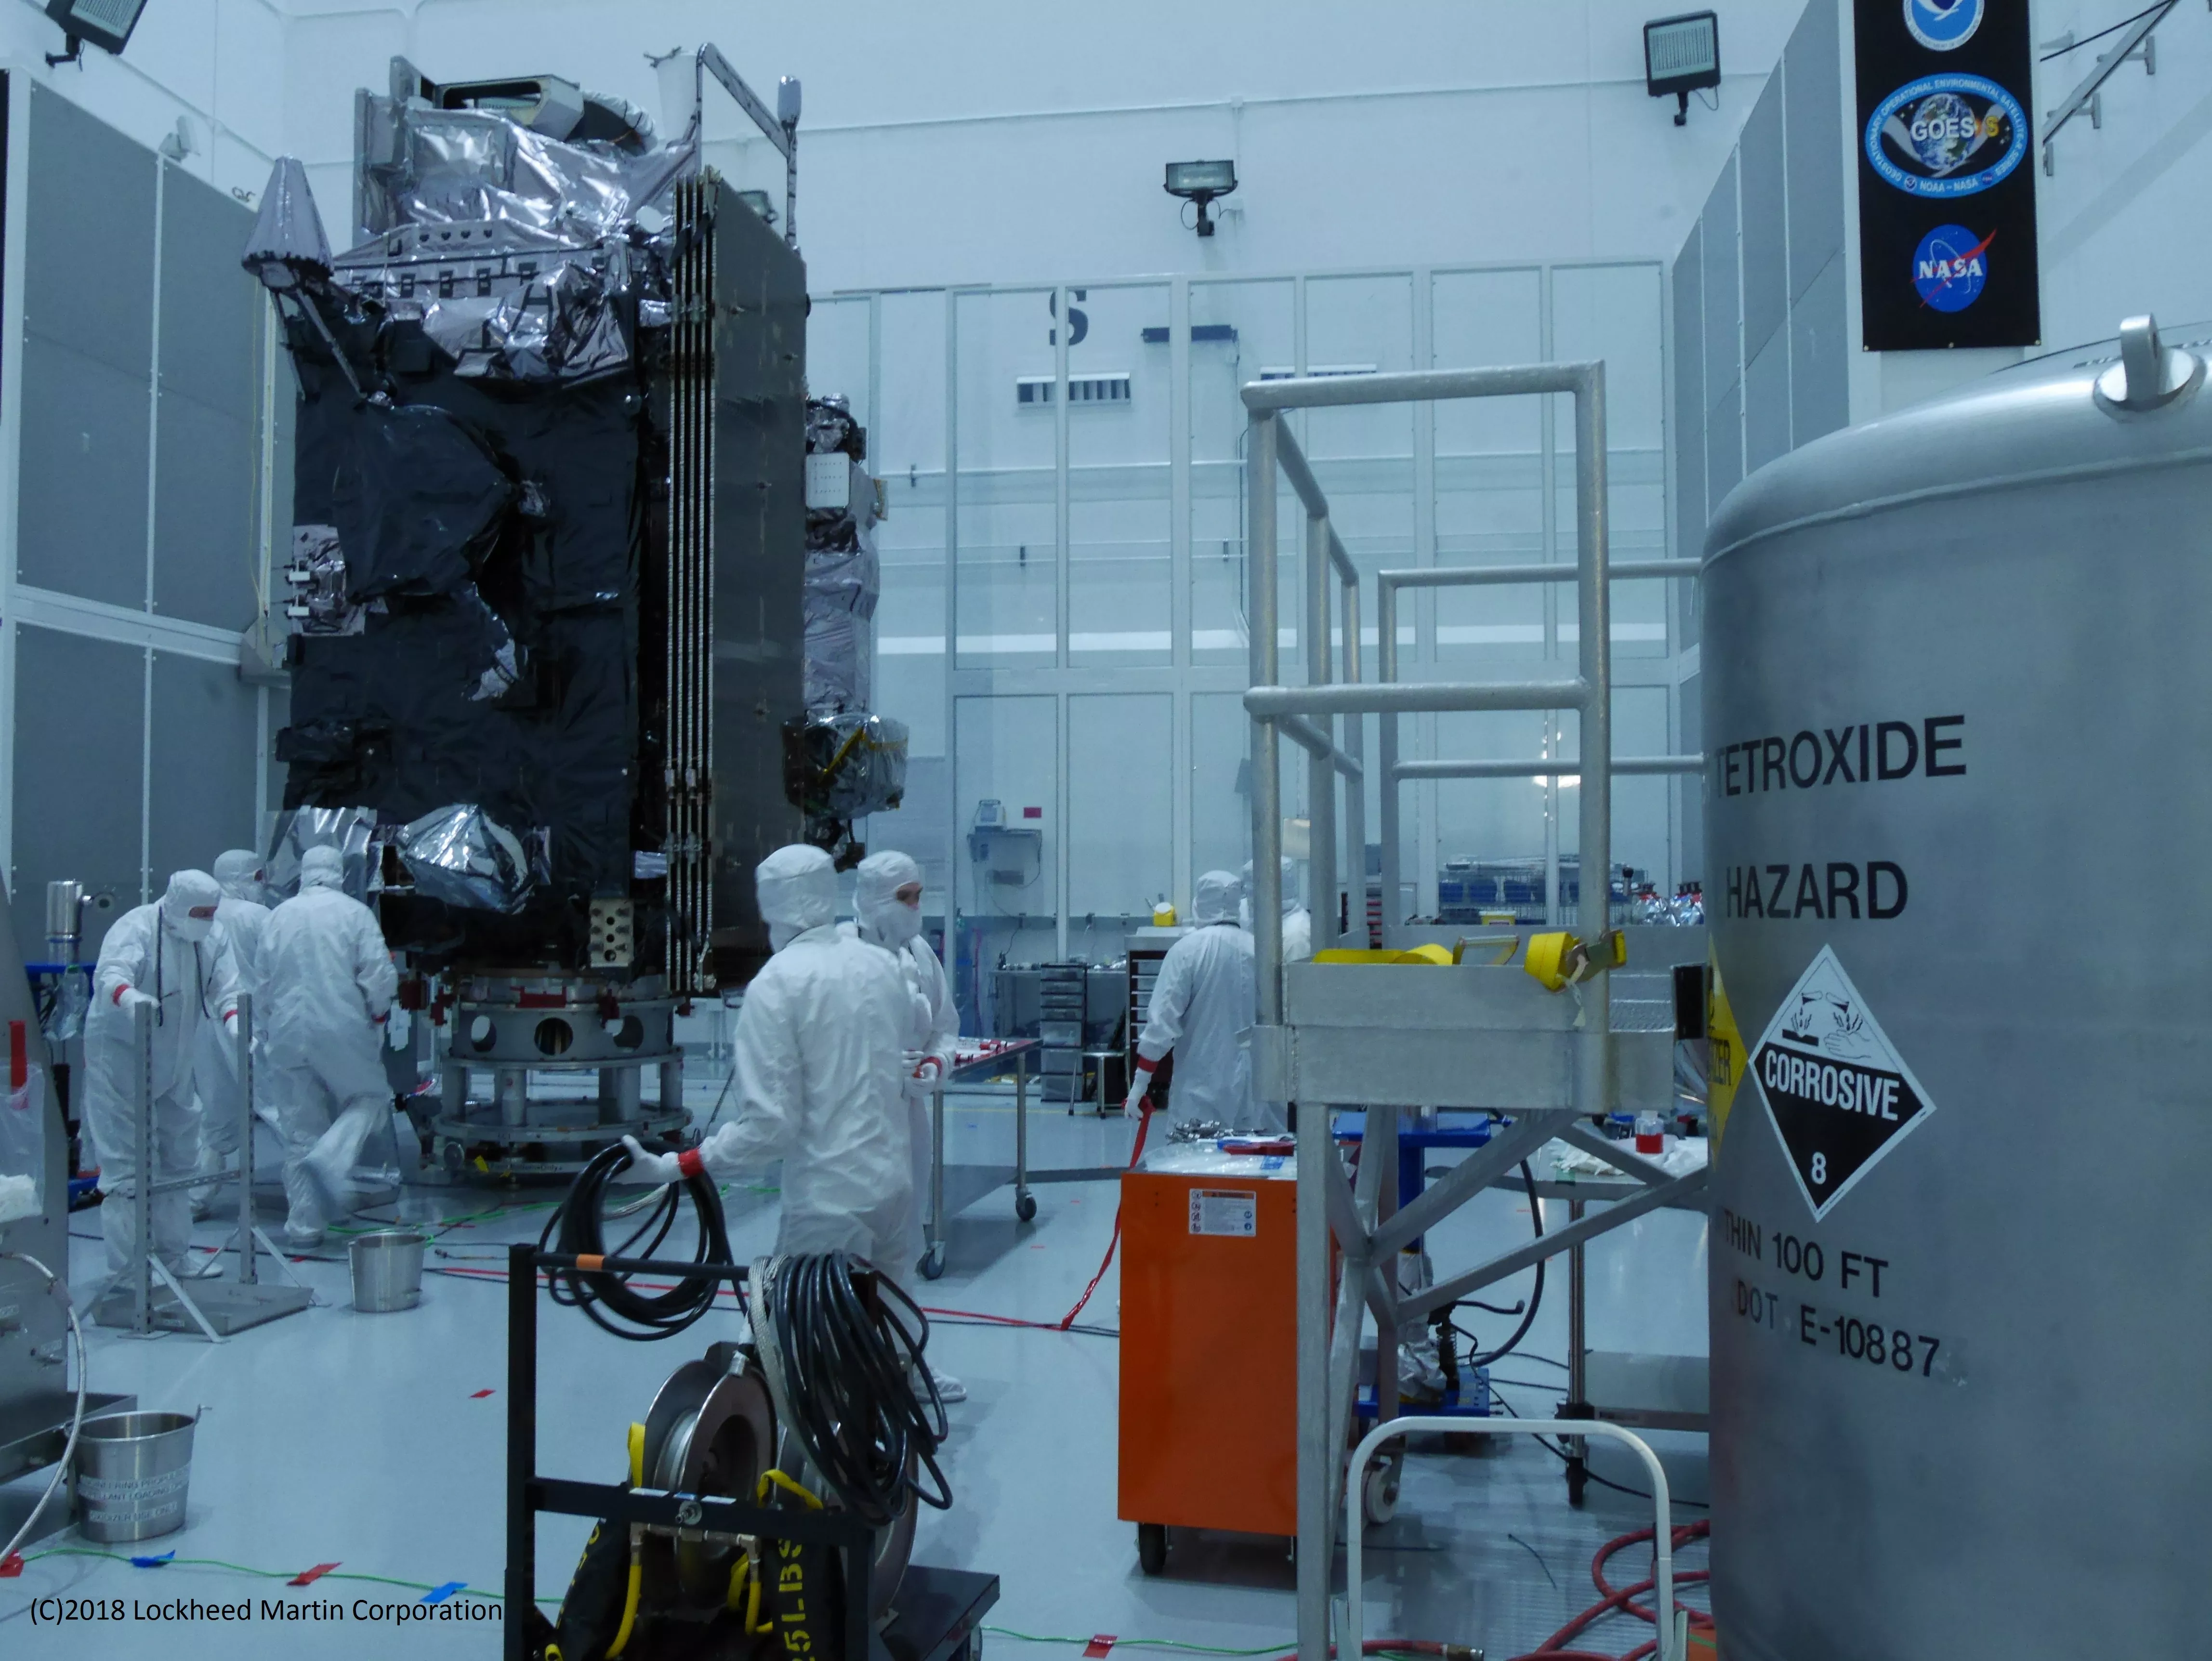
(366, 1440)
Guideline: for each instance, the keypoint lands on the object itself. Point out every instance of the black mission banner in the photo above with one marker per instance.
(1947, 174)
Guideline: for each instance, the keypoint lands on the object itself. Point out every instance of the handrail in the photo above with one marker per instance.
(1623, 767)
(1408, 697)
(1672, 1638)
(1474, 577)
(1413, 387)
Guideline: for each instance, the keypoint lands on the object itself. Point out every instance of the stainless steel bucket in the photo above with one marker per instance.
(132, 1470)
(387, 1270)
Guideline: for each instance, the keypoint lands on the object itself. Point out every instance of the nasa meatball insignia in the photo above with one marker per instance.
(1951, 266)
(1946, 136)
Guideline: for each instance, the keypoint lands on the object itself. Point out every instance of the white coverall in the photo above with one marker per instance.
(330, 982)
(239, 918)
(817, 1059)
(1297, 921)
(885, 919)
(168, 954)
(1203, 1007)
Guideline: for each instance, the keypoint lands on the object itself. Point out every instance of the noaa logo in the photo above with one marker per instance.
(1940, 24)
(1946, 136)
(1951, 267)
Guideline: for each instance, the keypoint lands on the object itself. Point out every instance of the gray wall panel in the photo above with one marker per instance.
(88, 270)
(81, 504)
(1724, 448)
(1686, 424)
(1816, 144)
(203, 757)
(1764, 229)
(204, 501)
(79, 712)
(1766, 405)
(1691, 738)
(1819, 392)
(211, 307)
(1723, 319)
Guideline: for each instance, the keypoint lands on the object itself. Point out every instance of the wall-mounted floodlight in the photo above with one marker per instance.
(1682, 55)
(107, 24)
(1201, 182)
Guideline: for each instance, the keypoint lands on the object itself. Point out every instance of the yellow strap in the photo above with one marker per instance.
(780, 1480)
(637, 1456)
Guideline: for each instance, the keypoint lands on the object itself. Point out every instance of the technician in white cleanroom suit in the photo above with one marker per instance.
(330, 982)
(887, 902)
(239, 917)
(818, 1061)
(1203, 1007)
(166, 957)
(1297, 921)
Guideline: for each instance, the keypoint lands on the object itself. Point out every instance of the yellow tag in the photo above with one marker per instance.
(1726, 1043)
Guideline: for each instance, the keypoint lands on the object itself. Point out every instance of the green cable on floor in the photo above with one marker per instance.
(264, 1575)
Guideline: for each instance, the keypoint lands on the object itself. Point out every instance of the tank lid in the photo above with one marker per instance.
(2110, 407)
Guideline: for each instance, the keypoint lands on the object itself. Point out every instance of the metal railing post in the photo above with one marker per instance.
(1386, 746)
(1355, 788)
(1594, 596)
(246, 1271)
(142, 1185)
(1321, 770)
(1267, 758)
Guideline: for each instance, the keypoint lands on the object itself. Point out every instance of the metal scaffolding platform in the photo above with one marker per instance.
(1387, 1037)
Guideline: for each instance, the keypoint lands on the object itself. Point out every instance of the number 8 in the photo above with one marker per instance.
(1820, 1168)
(1901, 1350)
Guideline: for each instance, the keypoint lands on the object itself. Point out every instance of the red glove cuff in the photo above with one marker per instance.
(689, 1163)
(1147, 1065)
(117, 999)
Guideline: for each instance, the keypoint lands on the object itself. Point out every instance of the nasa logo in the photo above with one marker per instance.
(1951, 267)
(1941, 25)
(1946, 136)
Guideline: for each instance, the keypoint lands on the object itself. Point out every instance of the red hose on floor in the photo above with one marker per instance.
(1623, 1599)
(1135, 1154)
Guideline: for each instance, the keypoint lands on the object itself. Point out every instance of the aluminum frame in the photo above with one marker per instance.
(1359, 1214)
(1395, 772)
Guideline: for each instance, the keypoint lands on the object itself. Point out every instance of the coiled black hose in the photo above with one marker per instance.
(1536, 1294)
(578, 1225)
(849, 1345)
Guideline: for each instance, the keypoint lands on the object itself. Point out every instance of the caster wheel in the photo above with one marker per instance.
(1025, 1207)
(933, 1263)
(1153, 1548)
(1378, 1495)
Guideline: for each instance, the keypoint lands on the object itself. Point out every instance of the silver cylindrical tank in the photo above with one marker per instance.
(1958, 713)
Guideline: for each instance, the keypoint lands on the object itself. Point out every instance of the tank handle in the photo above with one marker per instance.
(2148, 375)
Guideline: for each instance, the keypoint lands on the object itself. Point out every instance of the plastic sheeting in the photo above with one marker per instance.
(289, 242)
(415, 501)
(472, 167)
(562, 325)
(844, 579)
(845, 767)
(841, 591)
(348, 829)
(464, 857)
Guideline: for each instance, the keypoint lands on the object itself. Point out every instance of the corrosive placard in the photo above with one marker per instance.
(1841, 1095)
(1233, 1212)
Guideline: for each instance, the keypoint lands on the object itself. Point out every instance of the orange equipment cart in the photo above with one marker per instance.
(1209, 1347)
